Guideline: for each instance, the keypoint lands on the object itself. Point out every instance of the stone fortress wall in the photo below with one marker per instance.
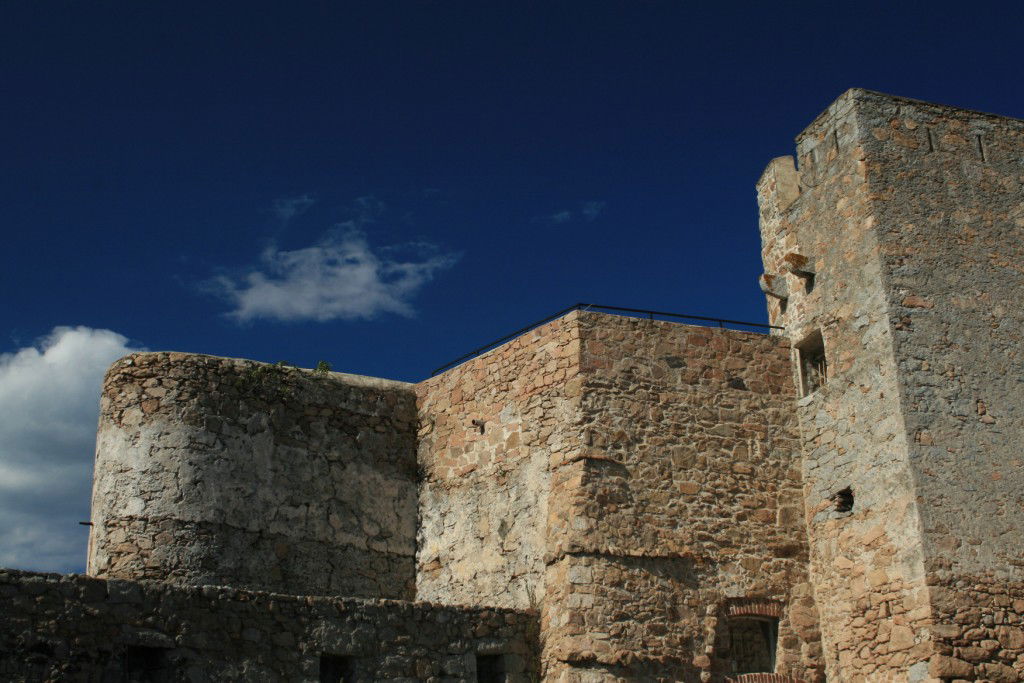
(77, 628)
(606, 498)
(553, 475)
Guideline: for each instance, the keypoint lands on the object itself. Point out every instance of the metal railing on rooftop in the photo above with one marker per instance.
(617, 310)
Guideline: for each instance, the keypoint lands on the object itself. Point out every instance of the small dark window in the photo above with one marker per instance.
(813, 370)
(844, 500)
(783, 305)
(145, 664)
(752, 643)
(490, 668)
(808, 283)
(336, 668)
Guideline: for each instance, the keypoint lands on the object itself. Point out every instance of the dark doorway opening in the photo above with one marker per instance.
(143, 664)
(337, 669)
(490, 668)
(752, 643)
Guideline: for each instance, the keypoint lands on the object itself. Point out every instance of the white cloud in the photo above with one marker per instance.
(339, 278)
(587, 211)
(49, 407)
(289, 207)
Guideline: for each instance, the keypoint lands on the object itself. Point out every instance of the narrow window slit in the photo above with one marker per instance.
(812, 366)
(808, 283)
(844, 500)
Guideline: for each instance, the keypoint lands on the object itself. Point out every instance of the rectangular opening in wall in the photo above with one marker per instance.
(143, 663)
(843, 500)
(337, 668)
(752, 643)
(490, 668)
(808, 283)
(813, 370)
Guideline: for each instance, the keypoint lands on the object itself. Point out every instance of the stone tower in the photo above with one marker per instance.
(894, 256)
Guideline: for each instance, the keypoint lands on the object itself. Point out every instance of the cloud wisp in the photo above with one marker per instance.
(587, 212)
(288, 208)
(49, 406)
(339, 278)
(591, 210)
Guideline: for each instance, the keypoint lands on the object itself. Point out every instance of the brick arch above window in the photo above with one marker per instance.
(755, 608)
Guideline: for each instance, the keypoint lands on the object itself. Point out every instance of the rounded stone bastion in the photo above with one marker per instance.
(231, 472)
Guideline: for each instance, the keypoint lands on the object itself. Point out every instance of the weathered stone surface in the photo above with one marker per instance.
(667, 517)
(489, 430)
(74, 628)
(949, 667)
(912, 215)
(218, 471)
(866, 563)
(618, 458)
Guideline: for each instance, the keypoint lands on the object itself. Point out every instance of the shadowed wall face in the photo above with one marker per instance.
(79, 628)
(949, 199)
(217, 471)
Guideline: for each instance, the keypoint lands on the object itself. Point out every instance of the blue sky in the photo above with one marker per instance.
(386, 185)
